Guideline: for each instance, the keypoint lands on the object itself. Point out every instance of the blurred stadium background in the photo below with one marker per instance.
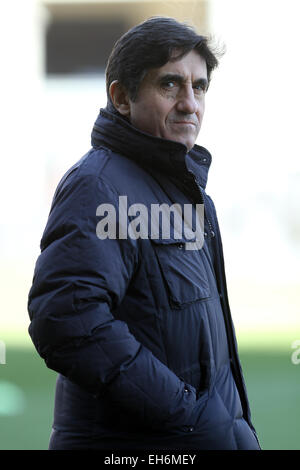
(53, 56)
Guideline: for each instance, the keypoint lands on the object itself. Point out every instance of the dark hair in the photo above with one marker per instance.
(152, 44)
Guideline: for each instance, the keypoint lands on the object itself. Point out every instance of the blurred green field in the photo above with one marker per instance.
(27, 394)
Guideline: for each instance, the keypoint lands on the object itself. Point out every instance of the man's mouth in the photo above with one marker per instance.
(185, 123)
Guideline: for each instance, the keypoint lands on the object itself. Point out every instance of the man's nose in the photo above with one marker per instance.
(186, 101)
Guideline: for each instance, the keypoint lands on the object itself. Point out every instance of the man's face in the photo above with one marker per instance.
(171, 99)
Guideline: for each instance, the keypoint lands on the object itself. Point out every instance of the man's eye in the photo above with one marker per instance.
(169, 84)
(200, 88)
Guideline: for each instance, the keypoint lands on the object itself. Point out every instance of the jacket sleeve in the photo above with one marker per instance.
(78, 281)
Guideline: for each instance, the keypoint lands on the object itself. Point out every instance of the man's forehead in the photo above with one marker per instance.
(192, 65)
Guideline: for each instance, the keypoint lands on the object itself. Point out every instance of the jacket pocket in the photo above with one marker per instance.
(183, 270)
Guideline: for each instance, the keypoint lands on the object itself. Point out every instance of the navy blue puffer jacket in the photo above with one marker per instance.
(139, 330)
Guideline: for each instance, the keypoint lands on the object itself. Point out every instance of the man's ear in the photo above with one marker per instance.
(120, 98)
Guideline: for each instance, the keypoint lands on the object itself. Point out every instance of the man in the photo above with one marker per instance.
(135, 320)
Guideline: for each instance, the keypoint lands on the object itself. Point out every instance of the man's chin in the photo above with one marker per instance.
(187, 140)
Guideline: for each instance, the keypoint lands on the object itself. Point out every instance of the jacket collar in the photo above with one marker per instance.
(152, 153)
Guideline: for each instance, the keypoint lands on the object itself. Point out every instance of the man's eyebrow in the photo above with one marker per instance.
(180, 79)
(168, 77)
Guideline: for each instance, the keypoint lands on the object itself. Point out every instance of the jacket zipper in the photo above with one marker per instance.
(212, 233)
